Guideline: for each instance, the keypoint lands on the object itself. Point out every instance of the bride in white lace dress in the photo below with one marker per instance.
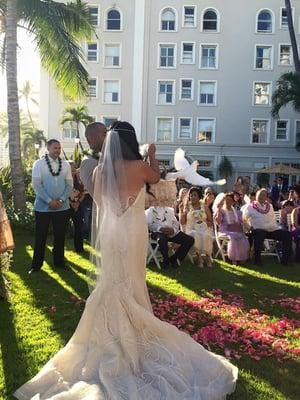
(120, 350)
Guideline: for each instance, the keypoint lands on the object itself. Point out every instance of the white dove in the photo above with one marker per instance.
(188, 172)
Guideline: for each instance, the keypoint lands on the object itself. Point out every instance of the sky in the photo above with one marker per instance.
(28, 68)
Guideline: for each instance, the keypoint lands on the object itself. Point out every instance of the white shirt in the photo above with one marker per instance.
(258, 220)
(161, 217)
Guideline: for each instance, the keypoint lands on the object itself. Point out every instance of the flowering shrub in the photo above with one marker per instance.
(222, 322)
(21, 220)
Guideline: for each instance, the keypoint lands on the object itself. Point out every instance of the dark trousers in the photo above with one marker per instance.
(185, 241)
(59, 220)
(86, 207)
(76, 217)
(259, 235)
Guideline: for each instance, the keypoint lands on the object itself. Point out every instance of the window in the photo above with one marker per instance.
(108, 121)
(207, 93)
(168, 20)
(282, 127)
(188, 53)
(69, 130)
(263, 58)
(264, 22)
(92, 52)
(185, 128)
(166, 92)
(94, 15)
(164, 131)
(112, 55)
(208, 56)
(262, 93)
(204, 163)
(285, 54)
(92, 88)
(186, 89)
(210, 21)
(260, 130)
(283, 17)
(206, 130)
(111, 92)
(189, 16)
(167, 55)
(113, 21)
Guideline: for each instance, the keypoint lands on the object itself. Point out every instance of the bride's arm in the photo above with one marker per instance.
(151, 169)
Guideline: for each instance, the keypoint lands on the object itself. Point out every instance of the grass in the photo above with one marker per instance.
(43, 312)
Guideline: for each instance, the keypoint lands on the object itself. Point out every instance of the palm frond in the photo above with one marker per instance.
(57, 28)
(287, 92)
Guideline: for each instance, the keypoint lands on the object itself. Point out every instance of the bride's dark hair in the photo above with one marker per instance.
(128, 140)
(129, 144)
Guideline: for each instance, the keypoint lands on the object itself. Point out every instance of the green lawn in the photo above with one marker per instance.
(45, 308)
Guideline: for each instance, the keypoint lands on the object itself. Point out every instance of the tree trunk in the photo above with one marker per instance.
(292, 35)
(13, 113)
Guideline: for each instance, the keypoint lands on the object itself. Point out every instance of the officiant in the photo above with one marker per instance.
(52, 182)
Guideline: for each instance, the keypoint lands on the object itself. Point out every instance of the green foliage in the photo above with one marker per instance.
(225, 168)
(5, 263)
(263, 179)
(287, 92)
(23, 221)
(76, 157)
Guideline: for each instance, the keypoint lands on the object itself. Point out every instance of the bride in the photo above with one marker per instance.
(120, 350)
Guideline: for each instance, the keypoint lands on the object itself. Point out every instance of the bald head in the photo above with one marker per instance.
(95, 134)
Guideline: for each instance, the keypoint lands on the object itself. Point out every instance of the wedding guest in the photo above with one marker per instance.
(230, 224)
(195, 216)
(239, 185)
(52, 182)
(277, 192)
(260, 216)
(76, 213)
(164, 227)
(295, 218)
(286, 209)
(179, 201)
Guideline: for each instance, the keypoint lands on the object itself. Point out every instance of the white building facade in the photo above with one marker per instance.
(192, 74)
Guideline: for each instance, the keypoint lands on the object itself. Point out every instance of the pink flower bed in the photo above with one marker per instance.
(222, 322)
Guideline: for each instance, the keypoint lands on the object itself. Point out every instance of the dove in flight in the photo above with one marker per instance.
(188, 172)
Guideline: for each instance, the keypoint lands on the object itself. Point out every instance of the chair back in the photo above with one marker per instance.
(289, 222)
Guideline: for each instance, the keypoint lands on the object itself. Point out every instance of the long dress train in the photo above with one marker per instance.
(120, 350)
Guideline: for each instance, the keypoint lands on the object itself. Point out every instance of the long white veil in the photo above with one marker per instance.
(108, 235)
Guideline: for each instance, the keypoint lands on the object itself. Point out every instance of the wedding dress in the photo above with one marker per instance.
(120, 350)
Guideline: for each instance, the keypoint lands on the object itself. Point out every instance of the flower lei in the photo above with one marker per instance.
(257, 208)
(50, 168)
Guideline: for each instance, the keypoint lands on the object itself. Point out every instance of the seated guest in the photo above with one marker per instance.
(231, 224)
(286, 209)
(260, 216)
(179, 201)
(195, 216)
(164, 227)
(209, 199)
(295, 217)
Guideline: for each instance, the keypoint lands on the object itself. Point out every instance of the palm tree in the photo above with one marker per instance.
(27, 93)
(78, 115)
(56, 29)
(29, 139)
(292, 35)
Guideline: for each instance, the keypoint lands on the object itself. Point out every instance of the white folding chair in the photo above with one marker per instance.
(278, 216)
(153, 251)
(289, 222)
(271, 248)
(222, 243)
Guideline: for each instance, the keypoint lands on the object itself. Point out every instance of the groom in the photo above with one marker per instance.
(52, 182)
